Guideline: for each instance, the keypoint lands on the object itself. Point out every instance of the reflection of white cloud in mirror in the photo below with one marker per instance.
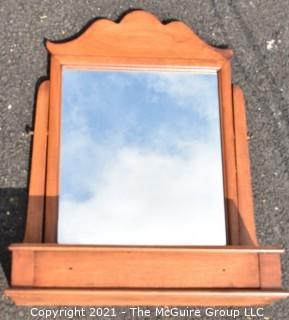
(141, 159)
(182, 89)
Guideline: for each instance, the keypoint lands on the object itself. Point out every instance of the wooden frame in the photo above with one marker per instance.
(242, 273)
(152, 46)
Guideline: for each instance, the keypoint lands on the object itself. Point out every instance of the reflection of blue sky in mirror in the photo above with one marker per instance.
(140, 147)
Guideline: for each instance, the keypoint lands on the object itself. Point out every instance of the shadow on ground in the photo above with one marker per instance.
(12, 222)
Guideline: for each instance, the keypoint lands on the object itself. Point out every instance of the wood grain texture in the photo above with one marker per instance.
(22, 273)
(135, 297)
(146, 267)
(229, 155)
(247, 229)
(143, 275)
(53, 154)
(270, 271)
(36, 196)
(143, 269)
(139, 34)
(207, 249)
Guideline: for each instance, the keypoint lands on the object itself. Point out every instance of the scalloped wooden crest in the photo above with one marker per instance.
(139, 34)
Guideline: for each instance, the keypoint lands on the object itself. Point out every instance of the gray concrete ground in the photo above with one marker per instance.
(257, 30)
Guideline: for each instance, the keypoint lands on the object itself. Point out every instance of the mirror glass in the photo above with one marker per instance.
(141, 160)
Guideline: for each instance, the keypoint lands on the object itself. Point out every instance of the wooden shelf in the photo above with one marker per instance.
(152, 297)
(87, 275)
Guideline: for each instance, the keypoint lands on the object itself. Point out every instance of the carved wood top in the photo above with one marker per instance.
(140, 34)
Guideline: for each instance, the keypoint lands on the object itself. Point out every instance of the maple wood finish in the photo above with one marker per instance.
(46, 273)
(139, 41)
(126, 267)
(148, 297)
(247, 229)
(36, 196)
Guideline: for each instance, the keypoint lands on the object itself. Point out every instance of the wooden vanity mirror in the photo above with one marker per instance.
(140, 190)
